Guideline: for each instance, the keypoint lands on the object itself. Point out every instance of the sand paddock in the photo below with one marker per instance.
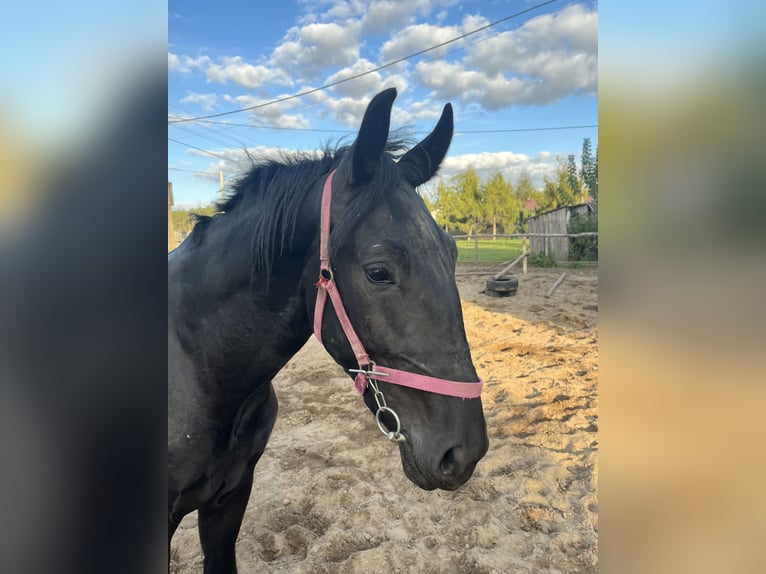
(329, 493)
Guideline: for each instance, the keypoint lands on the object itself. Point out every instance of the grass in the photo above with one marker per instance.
(489, 250)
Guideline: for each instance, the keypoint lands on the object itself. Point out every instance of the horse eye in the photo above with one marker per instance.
(379, 275)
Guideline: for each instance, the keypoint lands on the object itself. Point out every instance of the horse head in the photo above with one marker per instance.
(394, 271)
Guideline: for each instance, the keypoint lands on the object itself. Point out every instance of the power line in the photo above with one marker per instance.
(373, 70)
(199, 149)
(545, 129)
(281, 128)
(456, 132)
(197, 171)
(208, 132)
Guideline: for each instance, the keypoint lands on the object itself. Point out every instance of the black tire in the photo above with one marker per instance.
(505, 284)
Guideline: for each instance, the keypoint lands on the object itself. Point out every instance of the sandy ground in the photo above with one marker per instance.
(329, 493)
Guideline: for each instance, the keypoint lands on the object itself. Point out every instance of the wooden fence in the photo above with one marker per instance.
(533, 243)
(549, 230)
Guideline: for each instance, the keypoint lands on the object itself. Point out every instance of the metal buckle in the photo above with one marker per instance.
(380, 400)
(367, 373)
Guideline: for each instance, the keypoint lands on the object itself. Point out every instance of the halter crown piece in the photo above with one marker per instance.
(368, 370)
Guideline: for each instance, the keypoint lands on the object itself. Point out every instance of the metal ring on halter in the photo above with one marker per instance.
(395, 435)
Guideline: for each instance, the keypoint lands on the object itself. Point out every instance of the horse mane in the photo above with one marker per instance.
(272, 191)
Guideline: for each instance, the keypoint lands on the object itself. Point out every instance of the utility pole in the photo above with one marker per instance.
(171, 235)
(220, 173)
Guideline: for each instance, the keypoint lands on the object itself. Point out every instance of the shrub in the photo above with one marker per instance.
(541, 260)
(583, 248)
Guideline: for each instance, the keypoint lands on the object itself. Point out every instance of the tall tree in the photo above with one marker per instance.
(574, 183)
(594, 193)
(471, 199)
(530, 200)
(551, 199)
(526, 193)
(447, 209)
(589, 169)
(563, 188)
(500, 203)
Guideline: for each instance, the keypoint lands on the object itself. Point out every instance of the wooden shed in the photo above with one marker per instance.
(554, 221)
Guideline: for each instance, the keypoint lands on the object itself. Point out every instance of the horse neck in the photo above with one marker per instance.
(239, 329)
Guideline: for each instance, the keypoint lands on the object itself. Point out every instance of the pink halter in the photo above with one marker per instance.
(368, 369)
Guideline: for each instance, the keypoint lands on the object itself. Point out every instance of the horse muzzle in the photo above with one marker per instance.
(448, 470)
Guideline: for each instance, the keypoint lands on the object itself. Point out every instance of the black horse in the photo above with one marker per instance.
(242, 291)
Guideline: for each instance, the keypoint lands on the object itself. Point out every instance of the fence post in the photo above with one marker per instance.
(476, 248)
(524, 250)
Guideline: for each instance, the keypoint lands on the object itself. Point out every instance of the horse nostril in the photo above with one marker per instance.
(447, 464)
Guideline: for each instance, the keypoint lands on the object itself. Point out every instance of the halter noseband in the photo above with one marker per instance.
(368, 372)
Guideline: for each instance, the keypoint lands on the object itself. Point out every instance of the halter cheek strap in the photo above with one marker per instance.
(367, 368)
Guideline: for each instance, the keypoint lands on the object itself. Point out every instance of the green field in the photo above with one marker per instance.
(488, 250)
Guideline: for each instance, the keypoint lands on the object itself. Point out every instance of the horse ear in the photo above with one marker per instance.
(372, 138)
(422, 162)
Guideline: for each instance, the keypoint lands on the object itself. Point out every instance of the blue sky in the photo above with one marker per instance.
(537, 70)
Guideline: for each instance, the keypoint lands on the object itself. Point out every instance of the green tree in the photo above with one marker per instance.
(447, 208)
(550, 195)
(470, 198)
(589, 169)
(594, 176)
(563, 188)
(500, 203)
(526, 192)
(529, 199)
(574, 183)
(524, 188)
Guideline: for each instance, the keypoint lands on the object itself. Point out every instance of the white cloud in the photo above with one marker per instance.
(367, 83)
(419, 37)
(382, 16)
(185, 64)
(325, 10)
(484, 163)
(346, 110)
(573, 25)
(207, 101)
(551, 56)
(508, 163)
(448, 80)
(235, 69)
(173, 61)
(355, 96)
(308, 50)
(276, 115)
(415, 38)
(472, 22)
(546, 59)
(410, 112)
(571, 33)
(377, 16)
